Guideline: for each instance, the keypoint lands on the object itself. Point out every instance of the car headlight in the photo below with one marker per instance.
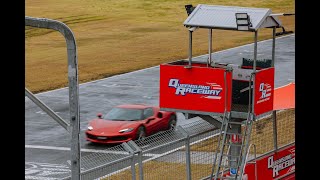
(90, 128)
(126, 130)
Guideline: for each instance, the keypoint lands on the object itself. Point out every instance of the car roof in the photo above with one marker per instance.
(133, 106)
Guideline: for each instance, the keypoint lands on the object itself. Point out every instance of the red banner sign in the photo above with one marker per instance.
(264, 86)
(272, 166)
(198, 89)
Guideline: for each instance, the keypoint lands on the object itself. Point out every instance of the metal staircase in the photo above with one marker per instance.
(236, 163)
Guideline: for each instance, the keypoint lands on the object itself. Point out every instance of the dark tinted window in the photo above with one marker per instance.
(123, 114)
(147, 112)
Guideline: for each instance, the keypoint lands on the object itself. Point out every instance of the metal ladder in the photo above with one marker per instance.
(224, 142)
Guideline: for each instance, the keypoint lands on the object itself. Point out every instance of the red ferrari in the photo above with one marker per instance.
(129, 122)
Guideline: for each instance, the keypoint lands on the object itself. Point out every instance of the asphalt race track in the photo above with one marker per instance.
(47, 144)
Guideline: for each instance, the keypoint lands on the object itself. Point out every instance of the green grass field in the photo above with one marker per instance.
(118, 36)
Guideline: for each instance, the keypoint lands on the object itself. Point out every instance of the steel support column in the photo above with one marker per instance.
(274, 113)
(138, 151)
(133, 164)
(210, 47)
(255, 52)
(73, 85)
(275, 137)
(190, 48)
(273, 45)
(188, 158)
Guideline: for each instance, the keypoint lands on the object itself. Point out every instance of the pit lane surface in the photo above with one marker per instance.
(47, 144)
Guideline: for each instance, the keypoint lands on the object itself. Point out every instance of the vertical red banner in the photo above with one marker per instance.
(263, 89)
(200, 89)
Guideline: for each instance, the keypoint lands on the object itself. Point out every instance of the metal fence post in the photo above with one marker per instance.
(140, 165)
(273, 45)
(190, 48)
(275, 137)
(138, 150)
(133, 164)
(73, 86)
(210, 47)
(187, 144)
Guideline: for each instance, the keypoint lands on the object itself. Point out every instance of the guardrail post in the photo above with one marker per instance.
(187, 145)
(137, 150)
(74, 106)
(133, 164)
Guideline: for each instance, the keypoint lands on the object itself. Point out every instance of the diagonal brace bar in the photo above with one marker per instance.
(46, 109)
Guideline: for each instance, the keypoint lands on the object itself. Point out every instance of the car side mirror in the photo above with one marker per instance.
(99, 115)
(159, 115)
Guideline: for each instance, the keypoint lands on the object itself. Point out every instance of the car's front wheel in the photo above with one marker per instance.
(172, 122)
(141, 133)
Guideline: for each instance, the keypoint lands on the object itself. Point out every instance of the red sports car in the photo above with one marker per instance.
(129, 122)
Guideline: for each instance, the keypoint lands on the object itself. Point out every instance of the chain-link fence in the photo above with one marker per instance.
(202, 155)
(262, 131)
(178, 161)
(170, 164)
(96, 165)
(183, 153)
(164, 153)
(286, 127)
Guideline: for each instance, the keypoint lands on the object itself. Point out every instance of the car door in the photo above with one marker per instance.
(153, 124)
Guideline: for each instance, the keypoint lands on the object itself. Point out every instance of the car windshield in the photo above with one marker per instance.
(123, 114)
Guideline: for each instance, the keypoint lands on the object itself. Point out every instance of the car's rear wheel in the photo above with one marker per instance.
(172, 122)
(141, 133)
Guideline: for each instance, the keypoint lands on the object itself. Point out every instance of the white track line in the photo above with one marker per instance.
(158, 65)
(285, 85)
(41, 178)
(68, 149)
(47, 165)
(82, 150)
